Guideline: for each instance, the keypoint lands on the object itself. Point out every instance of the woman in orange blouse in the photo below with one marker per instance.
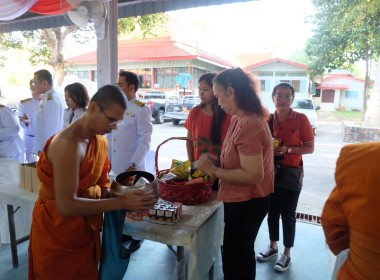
(207, 122)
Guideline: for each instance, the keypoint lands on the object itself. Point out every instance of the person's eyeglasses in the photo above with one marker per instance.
(112, 121)
(285, 97)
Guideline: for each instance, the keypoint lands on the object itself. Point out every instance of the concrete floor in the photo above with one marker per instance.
(154, 261)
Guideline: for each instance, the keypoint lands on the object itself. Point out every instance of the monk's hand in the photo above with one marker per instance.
(205, 164)
(104, 192)
(138, 201)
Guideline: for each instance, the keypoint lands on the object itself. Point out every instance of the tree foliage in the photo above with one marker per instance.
(46, 45)
(347, 31)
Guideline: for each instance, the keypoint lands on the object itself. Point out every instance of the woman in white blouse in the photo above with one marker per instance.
(77, 99)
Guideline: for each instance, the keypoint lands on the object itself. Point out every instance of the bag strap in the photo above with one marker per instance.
(271, 123)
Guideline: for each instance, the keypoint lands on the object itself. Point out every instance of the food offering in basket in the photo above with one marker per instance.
(184, 183)
(184, 173)
(135, 180)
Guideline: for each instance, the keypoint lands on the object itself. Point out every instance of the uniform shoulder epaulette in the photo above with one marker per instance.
(139, 103)
(26, 100)
(49, 96)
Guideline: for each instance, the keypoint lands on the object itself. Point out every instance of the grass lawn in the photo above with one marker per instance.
(348, 115)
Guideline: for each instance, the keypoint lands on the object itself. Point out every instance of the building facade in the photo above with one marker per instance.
(158, 62)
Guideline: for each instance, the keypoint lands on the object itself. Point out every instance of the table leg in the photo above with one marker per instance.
(180, 254)
(180, 263)
(12, 235)
(211, 272)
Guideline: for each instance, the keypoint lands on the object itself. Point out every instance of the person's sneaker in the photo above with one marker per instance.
(283, 264)
(267, 254)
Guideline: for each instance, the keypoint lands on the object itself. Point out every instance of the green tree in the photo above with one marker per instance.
(347, 31)
(46, 45)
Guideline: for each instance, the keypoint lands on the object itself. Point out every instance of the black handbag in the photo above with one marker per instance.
(286, 177)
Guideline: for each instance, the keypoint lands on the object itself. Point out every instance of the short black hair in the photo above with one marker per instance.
(131, 78)
(44, 75)
(108, 95)
(78, 93)
(282, 85)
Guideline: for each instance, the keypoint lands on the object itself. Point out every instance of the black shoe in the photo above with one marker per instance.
(283, 264)
(267, 254)
(135, 245)
(125, 238)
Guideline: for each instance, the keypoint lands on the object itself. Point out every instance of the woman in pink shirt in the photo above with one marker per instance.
(246, 172)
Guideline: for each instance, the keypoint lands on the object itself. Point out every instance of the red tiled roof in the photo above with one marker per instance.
(154, 49)
(347, 76)
(276, 60)
(332, 86)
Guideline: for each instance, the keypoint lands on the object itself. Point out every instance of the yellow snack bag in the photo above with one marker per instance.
(180, 169)
(198, 173)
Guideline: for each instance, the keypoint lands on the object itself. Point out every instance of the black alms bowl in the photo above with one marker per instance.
(153, 187)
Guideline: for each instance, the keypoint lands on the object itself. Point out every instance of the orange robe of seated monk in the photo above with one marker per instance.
(351, 215)
(68, 247)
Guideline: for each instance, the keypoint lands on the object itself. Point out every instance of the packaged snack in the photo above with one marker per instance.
(198, 173)
(180, 169)
(179, 206)
(141, 182)
(160, 216)
(277, 142)
(134, 216)
(129, 181)
(175, 210)
(169, 217)
(152, 215)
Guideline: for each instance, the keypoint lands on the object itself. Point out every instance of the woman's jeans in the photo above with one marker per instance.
(242, 222)
(283, 202)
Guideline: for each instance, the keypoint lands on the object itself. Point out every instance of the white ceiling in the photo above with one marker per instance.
(126, 8)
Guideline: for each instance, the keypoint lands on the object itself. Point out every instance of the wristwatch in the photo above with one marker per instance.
(133, 165)
(288, 150)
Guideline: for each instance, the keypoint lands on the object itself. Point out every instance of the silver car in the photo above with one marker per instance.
(306, 106)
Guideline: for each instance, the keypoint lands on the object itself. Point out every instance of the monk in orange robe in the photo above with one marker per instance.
(351, 215)
(67, 217)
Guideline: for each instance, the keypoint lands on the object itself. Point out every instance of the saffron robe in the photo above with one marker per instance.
(350, 217)
(68, 247)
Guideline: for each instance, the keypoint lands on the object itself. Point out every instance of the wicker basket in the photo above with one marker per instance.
(186, 194)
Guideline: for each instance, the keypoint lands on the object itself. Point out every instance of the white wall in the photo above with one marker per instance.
(340, 99)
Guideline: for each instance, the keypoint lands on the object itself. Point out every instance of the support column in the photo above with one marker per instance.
(107, 55)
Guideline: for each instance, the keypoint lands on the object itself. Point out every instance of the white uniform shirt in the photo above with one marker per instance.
(49, 118)
(29, 107)
(130, 142)
(11, 145)
(78, 113)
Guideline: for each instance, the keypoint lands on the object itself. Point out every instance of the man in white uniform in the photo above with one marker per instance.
(27, 113)
(130, 142)
(50, 111)
(11, 145)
